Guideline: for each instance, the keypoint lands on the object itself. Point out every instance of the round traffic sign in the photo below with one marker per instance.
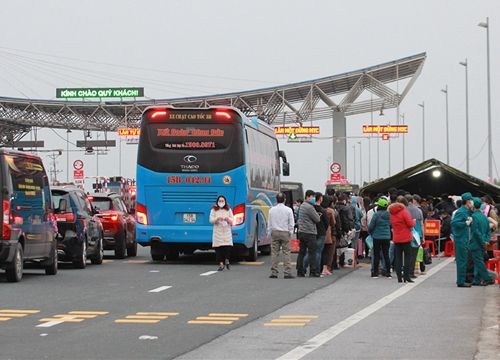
(78, 164)
(335, 168)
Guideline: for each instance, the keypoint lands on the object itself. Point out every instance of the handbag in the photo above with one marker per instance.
(415, 242)
(369, 241)
(427, 256)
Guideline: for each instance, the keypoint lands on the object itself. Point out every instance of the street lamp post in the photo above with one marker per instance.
(403, 135)
(354, 164)
(423, 130)
(466, 65)
(67, 154)
(486, 25)
(360, 164)
(445, 91)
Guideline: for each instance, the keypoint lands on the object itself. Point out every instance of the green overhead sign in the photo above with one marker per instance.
(71, 93)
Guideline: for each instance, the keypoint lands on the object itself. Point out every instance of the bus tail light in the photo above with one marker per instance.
(141, 214)
(239, 214)
(157, 115)
(223, 115)
(6, 220)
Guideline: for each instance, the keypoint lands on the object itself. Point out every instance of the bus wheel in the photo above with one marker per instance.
(253, 252)
(265, 250)
(157, 256)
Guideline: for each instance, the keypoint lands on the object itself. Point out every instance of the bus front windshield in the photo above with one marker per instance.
(191, 146)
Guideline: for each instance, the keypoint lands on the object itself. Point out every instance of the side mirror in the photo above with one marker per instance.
(282, 155)
(286, 169)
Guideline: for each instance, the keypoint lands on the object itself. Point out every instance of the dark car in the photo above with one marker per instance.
(28, 227)
(118, 224)
(80, 230)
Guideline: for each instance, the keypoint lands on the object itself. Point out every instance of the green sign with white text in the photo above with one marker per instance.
(72, 93)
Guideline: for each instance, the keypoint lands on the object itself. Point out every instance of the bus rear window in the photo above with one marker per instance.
(191, 137)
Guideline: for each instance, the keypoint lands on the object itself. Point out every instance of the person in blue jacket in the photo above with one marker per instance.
(460, 227)
(380, 230)
(480, 236)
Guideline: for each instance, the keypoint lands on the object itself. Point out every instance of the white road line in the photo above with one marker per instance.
(208, 273)
(154, 271)
(159, 289)
(50, 324)
(323, 337)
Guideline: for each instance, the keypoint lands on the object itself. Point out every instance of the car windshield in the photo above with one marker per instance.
(101, 203)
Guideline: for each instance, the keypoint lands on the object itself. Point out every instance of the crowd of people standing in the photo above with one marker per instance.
(388, 229)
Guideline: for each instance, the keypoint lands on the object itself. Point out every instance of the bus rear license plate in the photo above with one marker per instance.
(189, 218)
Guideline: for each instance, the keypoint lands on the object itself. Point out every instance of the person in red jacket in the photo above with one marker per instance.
(402, 224)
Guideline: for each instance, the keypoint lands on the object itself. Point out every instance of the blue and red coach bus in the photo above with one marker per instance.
(186, 158)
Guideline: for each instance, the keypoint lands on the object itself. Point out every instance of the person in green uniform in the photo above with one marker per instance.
(480, 236)
(460, 227)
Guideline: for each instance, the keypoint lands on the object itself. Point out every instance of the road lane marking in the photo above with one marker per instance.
(132, 321)
(255, 263)
(9, 314)
(20, 311)
(208, 273)
(160, 289)
(202, 322)
(70, 317)
(146, 317)
(217, 319)
(136, 261)
(158, 313)
(291, 320)
(88, 313)
(221, 318)
(107, 261)
(327, 335)
(154, 271)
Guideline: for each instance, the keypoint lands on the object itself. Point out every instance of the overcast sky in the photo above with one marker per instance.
(204, 47)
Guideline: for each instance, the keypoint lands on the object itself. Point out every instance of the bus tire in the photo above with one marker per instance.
(265, 250)
(253, 252)
(157, 257)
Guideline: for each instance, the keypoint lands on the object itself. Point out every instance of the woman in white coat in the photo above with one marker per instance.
(222, 238)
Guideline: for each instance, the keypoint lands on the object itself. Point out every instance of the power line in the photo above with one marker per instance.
(138, 67)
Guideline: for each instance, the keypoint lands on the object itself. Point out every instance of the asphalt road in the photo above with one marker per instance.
(116, 289)
(137, 309)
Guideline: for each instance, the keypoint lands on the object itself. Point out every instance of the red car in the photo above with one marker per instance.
(118, 224)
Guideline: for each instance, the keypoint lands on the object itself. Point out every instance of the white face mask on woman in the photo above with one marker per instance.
(221, 204)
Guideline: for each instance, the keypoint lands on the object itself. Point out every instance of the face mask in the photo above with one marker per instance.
(221, 204)
(312, 200)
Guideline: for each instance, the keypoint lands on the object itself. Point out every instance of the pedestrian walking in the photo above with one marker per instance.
(221, 216)
(280, 228)
(460, 227)
(380, 230)
(346, 225)
(480, 237)
(401, 223)
(308, 218)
